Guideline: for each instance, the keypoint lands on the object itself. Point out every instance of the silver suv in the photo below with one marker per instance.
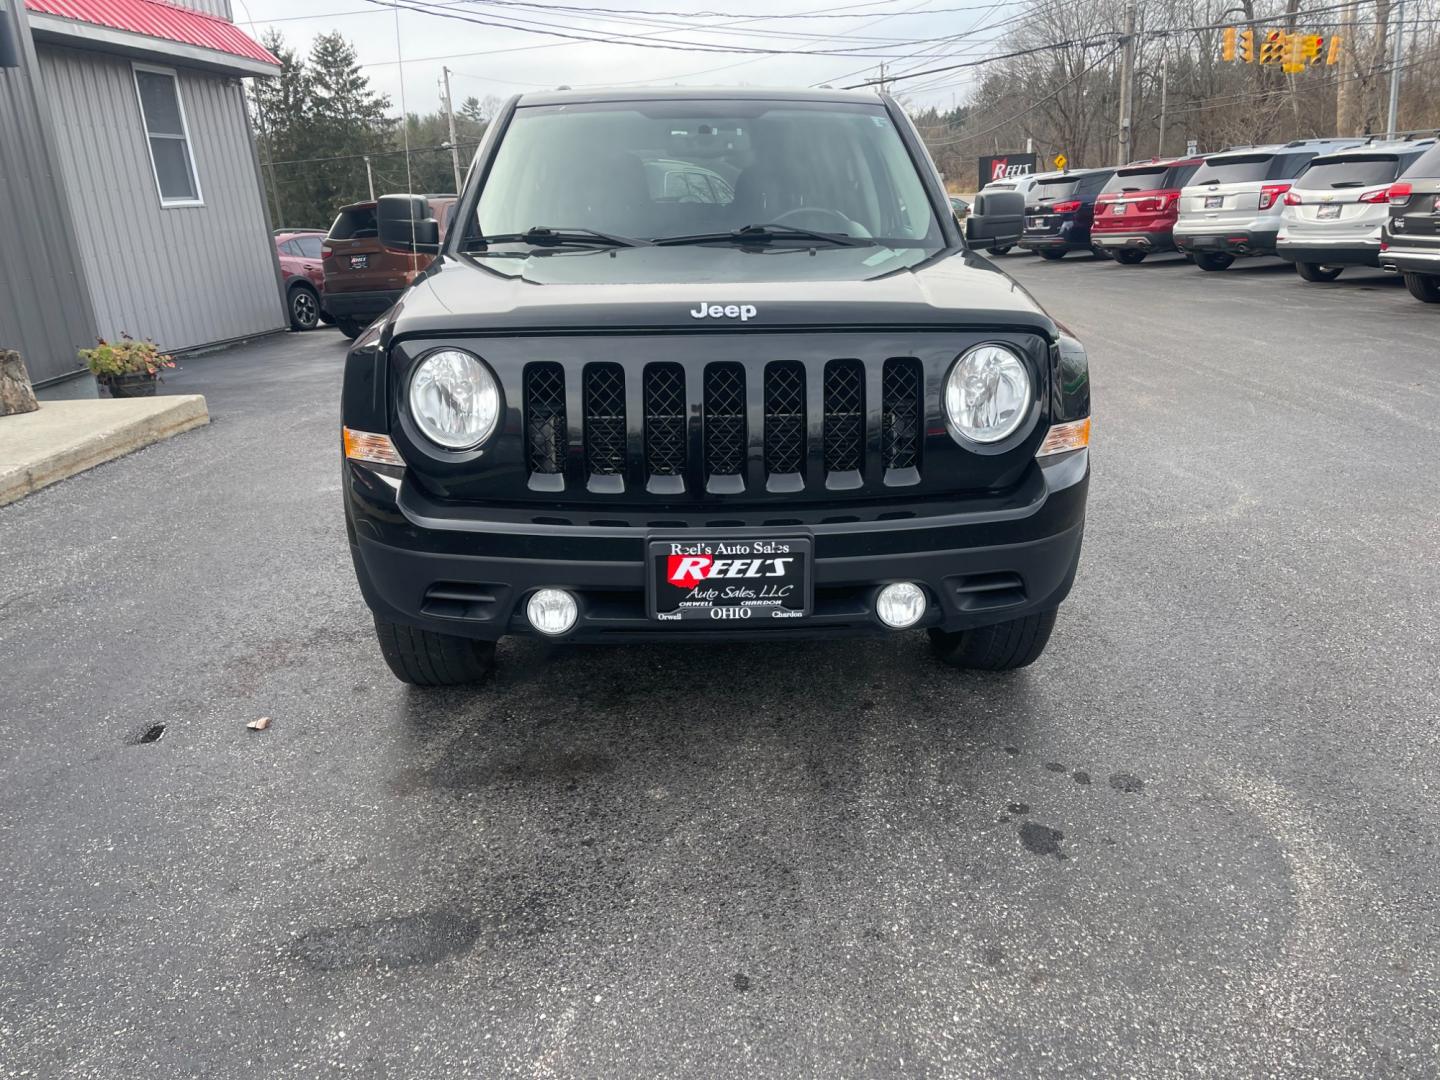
(1335, 208)
(1231, 207)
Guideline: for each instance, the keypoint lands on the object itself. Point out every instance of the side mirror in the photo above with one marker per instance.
(404, 223)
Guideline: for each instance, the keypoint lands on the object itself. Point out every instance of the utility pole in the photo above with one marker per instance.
(1164, 80)
(1127, 87)
(1392, 116)
(450, 119)
(370, 177)
(1347, 97)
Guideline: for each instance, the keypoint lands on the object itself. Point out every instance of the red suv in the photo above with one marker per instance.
(1135, 212)
(303, 276)
(363, 277)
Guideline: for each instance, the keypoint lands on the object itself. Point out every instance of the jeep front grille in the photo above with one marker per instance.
(605, 419)
(812, 425)
(902, 408)
(784, 418)
(665, 435)
(545, 418)
(724, 420)
(844, 415)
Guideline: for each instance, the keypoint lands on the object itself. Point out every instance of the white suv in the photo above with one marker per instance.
(1231, 207)
(1335, 208)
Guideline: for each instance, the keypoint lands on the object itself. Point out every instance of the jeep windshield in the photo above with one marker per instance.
(707, 172)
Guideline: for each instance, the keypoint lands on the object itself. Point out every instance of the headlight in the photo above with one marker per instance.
(987, 395)
(454, 399)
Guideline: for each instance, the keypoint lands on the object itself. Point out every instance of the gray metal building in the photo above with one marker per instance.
(129, 177)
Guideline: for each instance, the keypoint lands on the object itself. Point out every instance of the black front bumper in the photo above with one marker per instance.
(469, 572)
(1238, 242)
(365, 305)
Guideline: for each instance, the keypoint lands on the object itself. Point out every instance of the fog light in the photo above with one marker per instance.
(552, 611)
(900, 605)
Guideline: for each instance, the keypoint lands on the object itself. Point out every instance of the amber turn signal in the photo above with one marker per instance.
(1062, 438)
(367, 446)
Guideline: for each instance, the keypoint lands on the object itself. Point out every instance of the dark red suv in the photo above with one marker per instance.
(303, 276)
(1135, 213)
(363, 277)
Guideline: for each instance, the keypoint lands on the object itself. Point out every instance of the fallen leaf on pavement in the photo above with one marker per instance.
(259, 725)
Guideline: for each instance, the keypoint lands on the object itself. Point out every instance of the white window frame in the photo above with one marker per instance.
(168, 204)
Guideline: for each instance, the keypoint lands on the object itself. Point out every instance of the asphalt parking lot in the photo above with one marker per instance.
(1198, 838)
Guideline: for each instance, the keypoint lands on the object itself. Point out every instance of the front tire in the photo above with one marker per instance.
(1053, 254)
(425, 658)
(1129, 258)
(1213, 260)
(1001, 250)
(1424, 287)
(1317, 272)
(304, 308)
(1000, 647)
(351, 328)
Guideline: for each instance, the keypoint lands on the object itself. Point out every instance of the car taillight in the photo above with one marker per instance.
(326, 252)
(1292, 198)
(1066, 207)
(1399, 194)
(1379, 195)
(1270, 192)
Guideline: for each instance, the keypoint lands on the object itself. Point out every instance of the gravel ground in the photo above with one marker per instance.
(1196, 839)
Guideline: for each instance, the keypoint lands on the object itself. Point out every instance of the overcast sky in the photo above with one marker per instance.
(487, 60)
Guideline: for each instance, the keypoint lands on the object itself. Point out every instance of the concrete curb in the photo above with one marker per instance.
(67, 437)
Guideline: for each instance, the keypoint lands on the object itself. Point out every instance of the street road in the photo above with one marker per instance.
(1198, 838)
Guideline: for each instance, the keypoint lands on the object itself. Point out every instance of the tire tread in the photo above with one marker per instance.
(1004, 646)
(425, 658)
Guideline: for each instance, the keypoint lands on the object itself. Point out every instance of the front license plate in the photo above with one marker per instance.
(1327, 213)
(359, 262)
(1214, 202)
(730, 581)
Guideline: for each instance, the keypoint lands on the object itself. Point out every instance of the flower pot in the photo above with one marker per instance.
(133, 384)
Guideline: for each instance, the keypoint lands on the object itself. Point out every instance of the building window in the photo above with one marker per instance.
(168, 136)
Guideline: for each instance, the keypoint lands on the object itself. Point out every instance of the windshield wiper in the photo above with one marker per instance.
(760, 233)
(542, 235)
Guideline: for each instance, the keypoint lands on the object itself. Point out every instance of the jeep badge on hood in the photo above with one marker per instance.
(743, 312)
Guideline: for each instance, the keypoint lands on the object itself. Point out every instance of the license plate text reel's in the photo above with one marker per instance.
(759, 582)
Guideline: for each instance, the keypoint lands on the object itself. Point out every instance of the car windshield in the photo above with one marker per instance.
(1235, 170)
(657, 169)
(1349, 172)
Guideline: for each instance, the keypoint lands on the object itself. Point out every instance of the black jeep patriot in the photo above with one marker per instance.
(699, 365)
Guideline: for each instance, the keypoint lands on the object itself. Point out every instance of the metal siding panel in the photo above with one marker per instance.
(45, 310)
(186, 276)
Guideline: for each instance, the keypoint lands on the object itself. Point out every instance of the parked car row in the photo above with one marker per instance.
(1321, 204)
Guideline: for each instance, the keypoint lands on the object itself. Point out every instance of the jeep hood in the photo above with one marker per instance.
(650, 288)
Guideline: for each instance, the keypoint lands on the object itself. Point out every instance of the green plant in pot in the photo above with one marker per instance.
(127, 368)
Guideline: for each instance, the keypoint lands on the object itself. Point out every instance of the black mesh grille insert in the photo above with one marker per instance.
(724, 419)
(545, 418)
(785, 417)
(844, 415)
(605, 419)
(665, 420)
(900, 403)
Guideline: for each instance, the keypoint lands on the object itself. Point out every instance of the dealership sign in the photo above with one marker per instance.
(1005, 166)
